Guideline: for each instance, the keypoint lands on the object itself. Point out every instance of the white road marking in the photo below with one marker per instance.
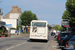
(15, 46)
(10, 47)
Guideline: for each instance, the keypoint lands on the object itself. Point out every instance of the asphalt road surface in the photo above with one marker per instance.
(25, 44)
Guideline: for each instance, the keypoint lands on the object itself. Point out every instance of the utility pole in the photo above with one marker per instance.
(0, 1)
(19, 31)
(19, 26)
(67, 28)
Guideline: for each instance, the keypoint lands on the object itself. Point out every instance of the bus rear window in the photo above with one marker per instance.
(39, 24)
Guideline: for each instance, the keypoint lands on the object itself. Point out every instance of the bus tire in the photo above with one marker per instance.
(46, 40)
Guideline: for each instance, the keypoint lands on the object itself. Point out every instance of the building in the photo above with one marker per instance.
(12, 18)
(14, 13)
(11, 22)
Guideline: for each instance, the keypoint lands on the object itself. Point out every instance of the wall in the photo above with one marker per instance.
(12, 31)
(14, 15)
(11, 21)
(1, 17)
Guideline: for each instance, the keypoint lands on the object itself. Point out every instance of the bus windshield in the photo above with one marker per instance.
(39, 24)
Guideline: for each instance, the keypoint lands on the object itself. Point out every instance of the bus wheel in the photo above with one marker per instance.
(31, 40)
(46, 40)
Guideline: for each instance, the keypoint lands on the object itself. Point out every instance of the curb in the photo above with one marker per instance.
(23, 35)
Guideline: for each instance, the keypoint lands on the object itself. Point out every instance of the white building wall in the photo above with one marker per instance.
(11, 21)
(12, 31)
(14, 15)
(1, 18)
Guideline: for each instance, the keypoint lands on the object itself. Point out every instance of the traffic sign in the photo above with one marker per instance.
(66, 25)
(65, 22)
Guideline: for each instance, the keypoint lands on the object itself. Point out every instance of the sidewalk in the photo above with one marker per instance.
(16, 36)
(55, 45)
(23, 35)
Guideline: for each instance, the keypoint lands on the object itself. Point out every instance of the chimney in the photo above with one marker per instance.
(19, 9)
(14, 8)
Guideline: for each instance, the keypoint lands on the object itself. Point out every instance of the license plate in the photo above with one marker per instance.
(74, 45)
(37, 36)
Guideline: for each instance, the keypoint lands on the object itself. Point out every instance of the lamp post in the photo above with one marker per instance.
(0, 0)
(19, 30)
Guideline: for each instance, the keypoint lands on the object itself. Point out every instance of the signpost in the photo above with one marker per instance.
(65, 23)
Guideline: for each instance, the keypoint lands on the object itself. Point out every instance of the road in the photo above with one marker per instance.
(25, 44)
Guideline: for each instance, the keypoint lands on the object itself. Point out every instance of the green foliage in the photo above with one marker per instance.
(49, 27)
(6, 35)
(6, 31)
(13, 28)
(70, 5)
(27, 17)
(3, 29)
(57, 27)
(26, 32)
(0, 31)
(62, 29)
(70, 12)
(66, 15)
(2, 35)
(18, 27)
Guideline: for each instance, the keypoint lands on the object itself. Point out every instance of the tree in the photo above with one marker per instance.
(27, 17)
(18, 27)
(70, 12)
(61, 28)
(57, 27)
(70, 6)
(66, 15)
(49, 27)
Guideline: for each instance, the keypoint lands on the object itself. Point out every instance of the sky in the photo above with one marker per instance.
(49, 10)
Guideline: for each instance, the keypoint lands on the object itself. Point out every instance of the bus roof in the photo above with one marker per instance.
(39, 21)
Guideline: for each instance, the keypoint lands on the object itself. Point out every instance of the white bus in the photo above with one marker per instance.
(39, 30)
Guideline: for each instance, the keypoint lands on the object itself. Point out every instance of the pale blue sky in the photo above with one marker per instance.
(50, 10)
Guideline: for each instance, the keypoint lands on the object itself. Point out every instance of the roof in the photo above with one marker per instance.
(8, 26)
(2, 23)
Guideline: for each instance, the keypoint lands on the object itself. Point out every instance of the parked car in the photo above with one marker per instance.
(70, 45)
(61, 36)
(63, 42)
(52, 33)
(57, 33)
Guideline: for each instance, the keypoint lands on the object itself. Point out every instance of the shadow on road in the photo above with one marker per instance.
(6, 45)
(40, 41)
